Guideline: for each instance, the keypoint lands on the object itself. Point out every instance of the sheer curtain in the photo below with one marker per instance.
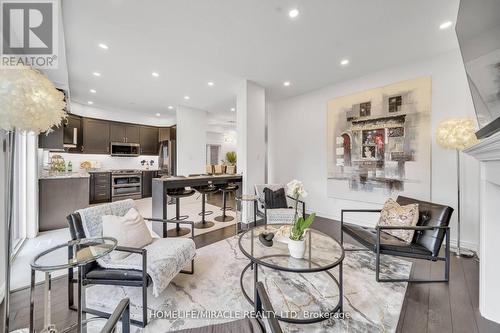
(25, 190)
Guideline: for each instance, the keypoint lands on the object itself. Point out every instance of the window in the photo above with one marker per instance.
(213, 154)
(365, 109)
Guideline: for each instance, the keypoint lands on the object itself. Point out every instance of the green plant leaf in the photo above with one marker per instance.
(300, 226)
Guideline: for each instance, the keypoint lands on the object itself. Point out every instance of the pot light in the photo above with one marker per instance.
(155, 74)
(170, 107)
(445, 25)
(96, 74)
(103, 46)
(233, 109)
(286, 83)
(344, 62)
(93, 91)
(158, 114)
(186, 97)
(210, 83)
(293, 13)
(90, 102)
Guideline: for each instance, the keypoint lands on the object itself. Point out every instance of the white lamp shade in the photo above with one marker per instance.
(456, 134)
(29, 101)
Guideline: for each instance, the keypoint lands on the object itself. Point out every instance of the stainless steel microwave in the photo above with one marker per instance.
(125, 149)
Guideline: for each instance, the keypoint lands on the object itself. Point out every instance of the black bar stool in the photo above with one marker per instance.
(177, 194)
(226, 189)
(204, 190)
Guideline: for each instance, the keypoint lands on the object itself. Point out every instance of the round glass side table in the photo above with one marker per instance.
(73, 254)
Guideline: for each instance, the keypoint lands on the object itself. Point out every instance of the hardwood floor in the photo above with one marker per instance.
(438, 307)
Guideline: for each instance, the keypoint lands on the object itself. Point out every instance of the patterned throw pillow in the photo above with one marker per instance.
(393, 214)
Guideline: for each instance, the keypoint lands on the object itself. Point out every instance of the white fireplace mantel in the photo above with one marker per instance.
(488, 153)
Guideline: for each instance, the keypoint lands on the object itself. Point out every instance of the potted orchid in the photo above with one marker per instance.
(296, 243)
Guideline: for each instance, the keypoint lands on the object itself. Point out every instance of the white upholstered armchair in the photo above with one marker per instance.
(278, 215)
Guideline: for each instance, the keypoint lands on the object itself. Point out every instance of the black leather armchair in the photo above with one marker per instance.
(430, 232)
(94, 274)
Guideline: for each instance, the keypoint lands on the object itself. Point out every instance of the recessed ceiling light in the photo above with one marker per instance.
(210, 83)
(344, 62)
(233, 109)
(96, 74)
(158, 114)
(186, 97)
(445, 25)
(103, 46)
(155, 74)
(90, 102)
(286, 83)
(293, 13)
(170, 107)
(93, 91)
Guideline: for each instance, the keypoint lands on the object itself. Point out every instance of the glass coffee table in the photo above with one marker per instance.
(73, 254)
(322, 254)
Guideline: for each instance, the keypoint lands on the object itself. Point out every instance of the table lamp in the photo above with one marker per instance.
(457, 134)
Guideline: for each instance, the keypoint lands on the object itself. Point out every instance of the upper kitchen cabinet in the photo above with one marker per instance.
(73, 136)
(164, 134)
(95, 136)
(149, 140)
(124, 133)
(53, 140)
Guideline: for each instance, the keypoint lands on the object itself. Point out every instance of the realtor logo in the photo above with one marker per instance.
(29, 33)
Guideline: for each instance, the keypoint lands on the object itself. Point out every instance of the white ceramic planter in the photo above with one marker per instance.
(297, 248)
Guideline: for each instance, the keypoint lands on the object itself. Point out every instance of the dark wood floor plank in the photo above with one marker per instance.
(462, 312)
(439, 320)
(417, 308)
(471, 273)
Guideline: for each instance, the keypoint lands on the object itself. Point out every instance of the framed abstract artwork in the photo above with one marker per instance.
(379, 142)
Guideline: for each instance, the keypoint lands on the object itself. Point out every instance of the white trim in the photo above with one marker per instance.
(487, 150)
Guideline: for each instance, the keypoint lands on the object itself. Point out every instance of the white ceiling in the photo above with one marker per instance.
(191, 42)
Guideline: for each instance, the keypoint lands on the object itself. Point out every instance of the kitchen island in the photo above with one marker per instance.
(161, 185)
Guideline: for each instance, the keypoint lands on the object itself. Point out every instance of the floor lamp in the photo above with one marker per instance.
(29, 102)
(457, 134)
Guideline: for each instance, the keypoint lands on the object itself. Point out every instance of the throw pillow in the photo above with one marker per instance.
(393, 214)
(275, 199)
(129, 230)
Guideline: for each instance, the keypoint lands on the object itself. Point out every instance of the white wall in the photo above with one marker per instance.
(124, 116)
(300, 150)
(191, 140)
(214, 138)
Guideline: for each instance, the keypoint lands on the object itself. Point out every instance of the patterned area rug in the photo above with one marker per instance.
(215, 286)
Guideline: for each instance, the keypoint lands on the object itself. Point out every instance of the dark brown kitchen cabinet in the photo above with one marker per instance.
(147, 182)
(95, 136)
(149, 140)
(164, 134)
(52, 141)
(100, 187)
(124, 133)
(73, 136)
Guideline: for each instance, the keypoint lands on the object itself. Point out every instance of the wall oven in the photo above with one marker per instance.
(125, 149)
(126, 184)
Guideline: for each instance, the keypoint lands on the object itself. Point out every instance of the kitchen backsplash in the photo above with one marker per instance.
(102, 161)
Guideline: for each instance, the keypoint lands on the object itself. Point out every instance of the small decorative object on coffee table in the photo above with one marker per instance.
(296, 243)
